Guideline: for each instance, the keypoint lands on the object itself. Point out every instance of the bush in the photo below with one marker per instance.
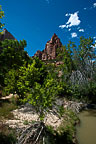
(7, 135)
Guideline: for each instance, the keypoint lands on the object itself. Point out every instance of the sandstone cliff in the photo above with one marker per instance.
(49, 52)
(6, 35)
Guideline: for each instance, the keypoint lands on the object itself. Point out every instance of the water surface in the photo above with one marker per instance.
(86, 130)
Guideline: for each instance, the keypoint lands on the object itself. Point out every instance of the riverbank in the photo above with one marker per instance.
(86, 130)
(26, 114)
(62, 119)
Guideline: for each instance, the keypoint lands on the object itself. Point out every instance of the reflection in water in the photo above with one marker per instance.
(86, 131)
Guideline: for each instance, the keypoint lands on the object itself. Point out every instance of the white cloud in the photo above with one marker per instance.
(73, 35)
(67, 14)
(94, 5)
(90, 8)
(69, 29)
(62, 26)
(94, 47)
(94, 37)
(85, 8)
(73, 20)
(81, 30)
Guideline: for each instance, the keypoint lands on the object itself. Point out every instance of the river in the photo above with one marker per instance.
(86, 130)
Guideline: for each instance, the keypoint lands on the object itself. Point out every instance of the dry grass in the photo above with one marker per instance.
(7, 135)
(6, 106)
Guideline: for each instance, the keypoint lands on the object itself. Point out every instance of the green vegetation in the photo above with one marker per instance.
(7, 135)
(40, 84)
(65, 133)
(26, 122)
(68, 124)
(12, 56)
(1, 16)
(78, 70)
(6, 108)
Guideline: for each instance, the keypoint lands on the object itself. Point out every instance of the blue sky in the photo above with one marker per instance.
(37, 20)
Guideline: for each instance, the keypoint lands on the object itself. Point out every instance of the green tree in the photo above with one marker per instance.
(10, 81)
(43, 96)
(84, 54)
(23, 79)
(34, 85)
(64, 54)
(12, 56)
(82, 79)
(1, 16)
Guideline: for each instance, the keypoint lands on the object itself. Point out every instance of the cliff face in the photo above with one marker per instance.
(50, 49)
(48, 53)
(6, 35)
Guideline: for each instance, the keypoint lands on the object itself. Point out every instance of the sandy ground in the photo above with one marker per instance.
(27, 114)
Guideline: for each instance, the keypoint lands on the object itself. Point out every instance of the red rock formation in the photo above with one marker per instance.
(50, 49)
(59, 63)
(44, 56)
(6, 35)
(38, 54)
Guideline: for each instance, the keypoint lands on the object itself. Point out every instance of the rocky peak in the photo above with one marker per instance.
(54, 37)
(50, 49)
(6, 35)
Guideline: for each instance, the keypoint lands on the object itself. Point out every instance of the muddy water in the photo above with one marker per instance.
(86, 130)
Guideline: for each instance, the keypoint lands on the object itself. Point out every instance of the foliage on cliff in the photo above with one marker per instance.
(1, 16)
(12, 56)
(20, 73)
(79, 69)
(40, 84)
